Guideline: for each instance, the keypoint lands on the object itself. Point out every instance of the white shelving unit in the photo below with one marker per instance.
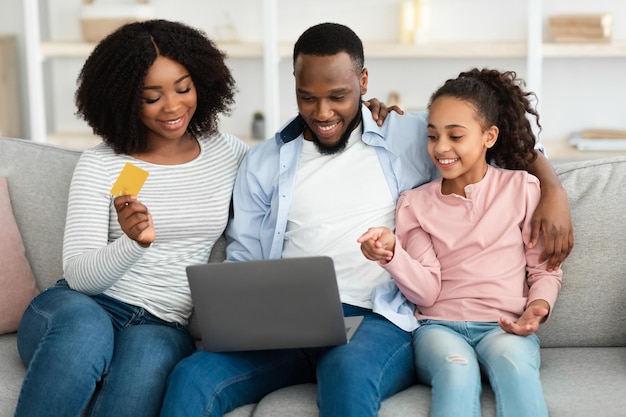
(533, 50)
(38, 51)
(34, 71)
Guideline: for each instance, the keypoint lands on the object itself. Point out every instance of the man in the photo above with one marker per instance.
(311, 190)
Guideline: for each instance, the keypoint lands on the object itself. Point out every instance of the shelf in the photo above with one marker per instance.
(74, 140)
(82, 140)
(561, 151)
(374, 50)
(445, 50)
(66, 49)
(69, 49)
(615, 49)
(77, 49)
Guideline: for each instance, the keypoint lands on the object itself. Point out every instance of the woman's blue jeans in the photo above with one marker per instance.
(95, 354)
(450, 356)
(352, 379)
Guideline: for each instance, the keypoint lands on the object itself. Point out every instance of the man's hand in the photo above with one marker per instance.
(135, 220)
(378, 244)
(380, 110)
(529, 321)
(552, 218)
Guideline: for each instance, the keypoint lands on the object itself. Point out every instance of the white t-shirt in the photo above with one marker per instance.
(336, 198)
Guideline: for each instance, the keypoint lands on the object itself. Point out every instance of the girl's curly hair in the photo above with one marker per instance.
(500, 101)
(110, 84)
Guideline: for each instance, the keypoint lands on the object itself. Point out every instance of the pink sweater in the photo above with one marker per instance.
(465, 259)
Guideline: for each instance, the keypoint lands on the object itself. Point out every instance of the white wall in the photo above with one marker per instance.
(576, 93)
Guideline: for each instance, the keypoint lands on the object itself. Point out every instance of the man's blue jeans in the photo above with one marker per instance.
(450, 356)
(352, 379)
(96, 353)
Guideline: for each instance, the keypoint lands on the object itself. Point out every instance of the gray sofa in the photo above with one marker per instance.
(583, 345)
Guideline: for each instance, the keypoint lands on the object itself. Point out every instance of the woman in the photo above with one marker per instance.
(103, 340)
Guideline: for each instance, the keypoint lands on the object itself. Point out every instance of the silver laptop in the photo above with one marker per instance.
(269, 304)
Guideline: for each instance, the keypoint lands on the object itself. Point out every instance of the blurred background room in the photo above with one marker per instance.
(572, 54)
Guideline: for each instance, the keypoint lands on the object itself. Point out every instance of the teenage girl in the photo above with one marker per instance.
(461, 251)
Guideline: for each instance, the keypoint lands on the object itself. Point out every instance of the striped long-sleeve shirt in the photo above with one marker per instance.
(189, 204)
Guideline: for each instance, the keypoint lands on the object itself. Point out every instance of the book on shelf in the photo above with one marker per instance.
(581, 27)
(599, 140)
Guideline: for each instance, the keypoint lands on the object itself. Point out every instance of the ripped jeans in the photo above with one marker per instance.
(450, 357)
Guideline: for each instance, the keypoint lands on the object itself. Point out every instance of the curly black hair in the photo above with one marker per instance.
(500, 100)
(110, 83)
(330, 39)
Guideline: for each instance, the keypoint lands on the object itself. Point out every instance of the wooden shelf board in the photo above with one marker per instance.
(561, 150)
(84, 139)
(445, 50)
(374, 50)
(615, 49)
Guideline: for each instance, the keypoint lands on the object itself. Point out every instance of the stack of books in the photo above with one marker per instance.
(599, 140)
(581, 28)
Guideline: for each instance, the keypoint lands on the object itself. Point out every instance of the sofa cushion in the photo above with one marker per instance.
(16, 278)
(39, 176)
(12, 371)
(583, 382)
(578, 382)
(590, 308)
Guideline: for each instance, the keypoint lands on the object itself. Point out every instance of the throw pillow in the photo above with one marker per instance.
(17, 282)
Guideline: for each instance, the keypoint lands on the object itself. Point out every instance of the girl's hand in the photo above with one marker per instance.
(135, 220)
(378, 244)
(529, 321)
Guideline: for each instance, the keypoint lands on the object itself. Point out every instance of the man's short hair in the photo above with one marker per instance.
(330, 39)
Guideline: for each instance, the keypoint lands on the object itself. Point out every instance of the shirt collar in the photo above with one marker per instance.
(292, 129)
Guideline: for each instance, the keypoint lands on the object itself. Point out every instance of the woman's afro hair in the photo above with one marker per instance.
(110, 84)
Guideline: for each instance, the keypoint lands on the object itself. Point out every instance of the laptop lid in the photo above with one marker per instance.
(269, 304)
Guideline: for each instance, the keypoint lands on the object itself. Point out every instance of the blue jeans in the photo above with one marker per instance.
(352, 379)
(95, 354)
(450, 356)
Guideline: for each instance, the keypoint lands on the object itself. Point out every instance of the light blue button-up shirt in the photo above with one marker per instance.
(264, 189)
(264, 185)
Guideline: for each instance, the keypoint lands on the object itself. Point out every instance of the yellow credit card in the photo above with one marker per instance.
(130, 180)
